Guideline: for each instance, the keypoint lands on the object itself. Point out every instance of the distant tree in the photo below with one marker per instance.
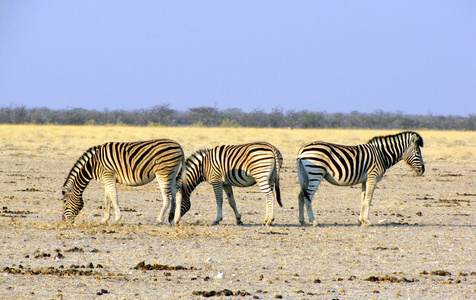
(208, 115)
(163, 115)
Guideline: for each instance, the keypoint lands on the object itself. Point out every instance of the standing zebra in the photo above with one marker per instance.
(234, 165)
(349, 165)
(133, 164)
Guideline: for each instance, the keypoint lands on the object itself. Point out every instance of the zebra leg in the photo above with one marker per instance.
(111, 193)
(107, 207)
(310, 178)
(362, 204)
(367, 194)
(268, 192)
(218, 189)
(301, 208)
(303, 200)
(307, 201)
(269, 217)
(232, 202)
(166, 200)
(178, 208)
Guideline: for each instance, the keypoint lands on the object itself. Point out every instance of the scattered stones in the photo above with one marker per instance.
(30, 190)
(385, 248)
(75, 249)
(126, 209)
(50, 271)
(148, 267)
(387, 278)
(14, 213)
(42, 255)
(437, 273)
(274, 233)
(102, 292)
(440, 273)
(224, 292)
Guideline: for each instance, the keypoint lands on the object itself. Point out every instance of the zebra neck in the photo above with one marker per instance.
(390, 153)
(192, 182)
(195, 172)
(82, 172)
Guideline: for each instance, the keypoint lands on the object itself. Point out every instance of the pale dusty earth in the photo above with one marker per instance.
(422, 245)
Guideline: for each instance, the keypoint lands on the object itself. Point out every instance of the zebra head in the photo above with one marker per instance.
(187, 182)
(412, 155)
(72, 204)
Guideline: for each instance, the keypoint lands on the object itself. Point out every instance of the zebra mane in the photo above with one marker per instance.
(199, 153)
(79, 165)
(418, 138)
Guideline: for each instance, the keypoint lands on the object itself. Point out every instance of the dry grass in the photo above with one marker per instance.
(424, 225)
(73, 140)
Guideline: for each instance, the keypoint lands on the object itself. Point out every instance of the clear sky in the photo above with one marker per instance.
(415, 57)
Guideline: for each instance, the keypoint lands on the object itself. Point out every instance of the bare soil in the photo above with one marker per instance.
(422, 244)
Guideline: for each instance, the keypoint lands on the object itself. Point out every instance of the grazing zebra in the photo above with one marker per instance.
(234, 165)
(349, 165)
(133, 164)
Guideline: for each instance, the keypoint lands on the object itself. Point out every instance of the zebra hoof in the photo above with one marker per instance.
(365, 223)
(238, 222)
(215, 223)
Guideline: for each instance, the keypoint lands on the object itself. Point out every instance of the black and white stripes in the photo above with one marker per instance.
(133, 164)
(349, 165)
(225, 166)
(235, 165)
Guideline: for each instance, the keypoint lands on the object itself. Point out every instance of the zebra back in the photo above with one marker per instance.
(134, 163)
(227, 161)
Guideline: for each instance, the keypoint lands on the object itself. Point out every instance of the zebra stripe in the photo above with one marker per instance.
(133, 164)
(350, 165)
(234, 165)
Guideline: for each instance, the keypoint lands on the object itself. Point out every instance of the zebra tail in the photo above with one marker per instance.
(303, 179)
(185, 200)
(181, 190)
(276, 180)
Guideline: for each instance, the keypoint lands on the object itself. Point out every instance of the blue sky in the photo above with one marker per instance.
(415, 57)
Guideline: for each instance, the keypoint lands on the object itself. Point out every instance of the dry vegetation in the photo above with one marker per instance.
(422, 245)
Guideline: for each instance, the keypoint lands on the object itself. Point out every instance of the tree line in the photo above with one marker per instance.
(163, 115)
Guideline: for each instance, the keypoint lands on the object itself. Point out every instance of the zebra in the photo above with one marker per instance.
(350, 165)
(225, 166)
(129, 163)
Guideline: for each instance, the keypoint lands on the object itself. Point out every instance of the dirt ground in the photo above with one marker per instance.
(422, 245)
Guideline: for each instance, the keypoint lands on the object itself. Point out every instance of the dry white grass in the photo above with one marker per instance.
(425, 225)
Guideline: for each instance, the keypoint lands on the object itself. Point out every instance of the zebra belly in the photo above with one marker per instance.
(334, 181)
(135, 181)
(240, 181)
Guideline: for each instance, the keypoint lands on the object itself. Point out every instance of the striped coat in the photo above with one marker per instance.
(235, 165)
(132, 164)
(350, 165)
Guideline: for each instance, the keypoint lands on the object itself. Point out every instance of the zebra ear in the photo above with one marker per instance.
(65, 190)
(417, 139)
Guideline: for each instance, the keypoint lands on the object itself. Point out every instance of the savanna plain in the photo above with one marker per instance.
(422, 244)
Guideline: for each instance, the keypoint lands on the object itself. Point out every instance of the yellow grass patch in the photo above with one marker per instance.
(74, 140)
